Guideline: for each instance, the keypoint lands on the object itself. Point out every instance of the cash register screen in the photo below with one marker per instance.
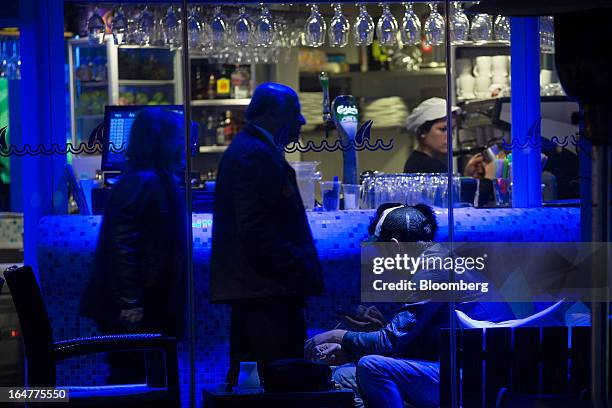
(118, 122)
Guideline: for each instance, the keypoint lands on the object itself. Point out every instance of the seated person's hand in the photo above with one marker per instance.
(475, 166)
(331, 336)
(368, 319)
(332, 354)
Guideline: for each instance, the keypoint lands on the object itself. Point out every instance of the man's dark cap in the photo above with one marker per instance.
(404, 223)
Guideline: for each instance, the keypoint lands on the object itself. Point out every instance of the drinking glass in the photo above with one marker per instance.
(194, 30)
(387, 27)
(501, 29)
(219, 29)
(547, 34)
(411, 26)
(363, 30)
(482, 28)
(434, 27)
(460, 25)
(96, 28)
(145, 27)
(339, 28)
(264, 29)
(119, 26)
(315, 28)
(171, 30)
(242, 28)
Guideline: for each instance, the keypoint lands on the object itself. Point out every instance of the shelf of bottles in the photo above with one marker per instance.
(220, 95)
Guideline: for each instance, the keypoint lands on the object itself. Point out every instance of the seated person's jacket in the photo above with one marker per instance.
(414, 331)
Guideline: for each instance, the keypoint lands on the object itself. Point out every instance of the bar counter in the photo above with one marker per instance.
(66, 247)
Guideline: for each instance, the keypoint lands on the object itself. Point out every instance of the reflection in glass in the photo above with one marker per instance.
(314, 29)
(387, 27)
(460, 25)
(194, 30)
(363, 31)
(547, 34)
(434, 27)
(219, 29)
(339, 28)
(411, 26)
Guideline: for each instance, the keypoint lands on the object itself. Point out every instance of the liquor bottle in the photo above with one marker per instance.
(199, 85)
(221, 131)
(211, 132)
(212, 87)
(240, 83)
(223, 86)
(230, 127)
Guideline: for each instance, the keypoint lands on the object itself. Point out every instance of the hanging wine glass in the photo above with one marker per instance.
(386, 28)
(219, 29)
(96, 28)
(146, 25)
(547, 34)
(434, 27)
(242, 28)
(339, 28)
(501, 28)
(264, 29)
(171, 29)
(411, 26)
(481, 28)
(363, 31)
(460, 24)
(315, 28)
(194, 30)
(119, 26)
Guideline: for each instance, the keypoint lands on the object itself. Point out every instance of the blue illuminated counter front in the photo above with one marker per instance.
(66, 247)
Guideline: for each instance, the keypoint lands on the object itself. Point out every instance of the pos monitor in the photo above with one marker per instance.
(118, 122)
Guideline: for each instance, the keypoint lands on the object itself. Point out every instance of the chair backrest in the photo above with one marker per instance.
(35, 327)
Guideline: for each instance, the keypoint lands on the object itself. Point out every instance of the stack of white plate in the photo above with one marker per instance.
(386, 112)
(312, 109)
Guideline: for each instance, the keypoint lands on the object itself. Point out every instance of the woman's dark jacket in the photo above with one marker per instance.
(140, 259)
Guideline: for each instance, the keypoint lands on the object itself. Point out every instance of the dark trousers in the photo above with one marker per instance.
(264, 331)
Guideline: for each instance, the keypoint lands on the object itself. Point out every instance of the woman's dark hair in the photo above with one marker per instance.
(426, 127)
(157, 141)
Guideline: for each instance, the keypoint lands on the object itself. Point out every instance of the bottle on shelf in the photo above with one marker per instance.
(212, 87)
(223, 85)
(230, 127)
(240, 83)
(221, 131)
(211, 132)
(200, 86)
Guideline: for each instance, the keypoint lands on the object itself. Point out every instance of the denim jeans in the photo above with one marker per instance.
(388, 382)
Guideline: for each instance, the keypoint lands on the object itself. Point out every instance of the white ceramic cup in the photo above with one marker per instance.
(482, 66)
(464, 66)
(248, 378)
(499, 63)
(482, 84)
(500, 79)
(545, 77)
(465, 86)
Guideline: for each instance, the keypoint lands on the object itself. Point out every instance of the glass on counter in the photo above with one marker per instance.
(351, 196)
(409, 189)
(306, 175)
(330, 194)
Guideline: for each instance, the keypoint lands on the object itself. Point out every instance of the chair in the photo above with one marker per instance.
(42, 354)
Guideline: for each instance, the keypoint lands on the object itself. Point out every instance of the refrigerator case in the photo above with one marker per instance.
(108, 74)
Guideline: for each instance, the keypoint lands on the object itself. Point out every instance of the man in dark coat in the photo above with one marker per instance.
(264, 261)
(138, 279)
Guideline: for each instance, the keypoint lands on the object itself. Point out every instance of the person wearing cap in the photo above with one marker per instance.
(428, 122)
(264, 262)
(399, 362)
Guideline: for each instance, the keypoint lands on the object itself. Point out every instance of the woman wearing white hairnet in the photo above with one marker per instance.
(428, 122)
